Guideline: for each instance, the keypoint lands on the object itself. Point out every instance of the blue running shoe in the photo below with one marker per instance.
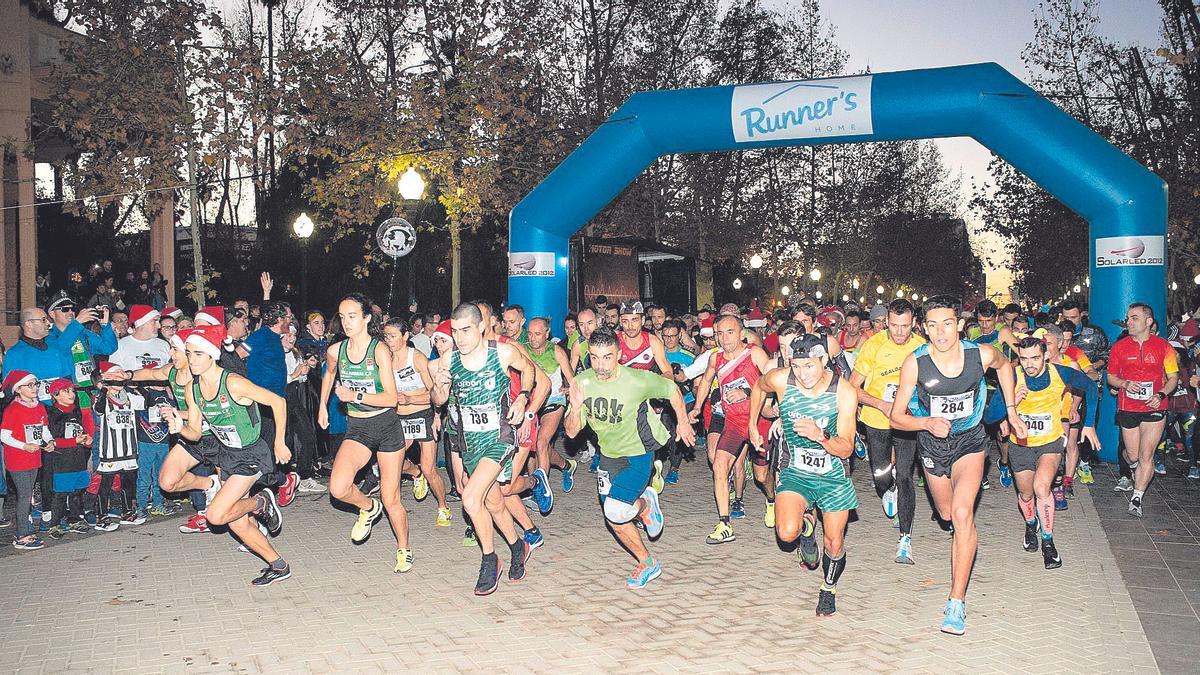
(737, 510)
(955, 622)
(541, 491)
(569, 476)
(653, 517)
(1160, 467)
(595, 463)
(533, 538)
(672, 477)
(860, 448)
(1194, 472)
(904, 550)
(642, 575)
(1005, 476)
(889, 502)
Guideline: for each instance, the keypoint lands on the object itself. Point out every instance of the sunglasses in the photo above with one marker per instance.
(65, 308)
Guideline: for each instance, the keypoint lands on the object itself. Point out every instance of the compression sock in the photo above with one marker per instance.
(1046, 514)
(1027, 509)
(832, 568)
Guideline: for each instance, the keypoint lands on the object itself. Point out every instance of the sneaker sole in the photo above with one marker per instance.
(499, 571)
(905, 561)
(645, 583)
(952, 631)
(286, 576)
(726, 540)
(1054, 566)
(374, 521)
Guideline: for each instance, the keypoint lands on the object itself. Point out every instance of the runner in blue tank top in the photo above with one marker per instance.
(943, 380)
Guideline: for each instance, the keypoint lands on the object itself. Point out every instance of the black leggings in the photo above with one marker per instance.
(68, 505)
(123, 500)
(879, 451)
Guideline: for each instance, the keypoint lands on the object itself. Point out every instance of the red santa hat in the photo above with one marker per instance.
(755, 319)
(106, 367)
(60, 384)
(213, 315)
(140, 315)
(179, 338)
(18, 378)
(706, 327)
(208, 339)
(172, 311)
(444, 329)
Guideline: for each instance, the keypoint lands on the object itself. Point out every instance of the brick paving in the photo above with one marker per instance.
(147, 599)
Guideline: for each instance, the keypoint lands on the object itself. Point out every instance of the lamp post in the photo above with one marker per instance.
(411, 187)
(303, 227)
(756, 263)
(737, 284)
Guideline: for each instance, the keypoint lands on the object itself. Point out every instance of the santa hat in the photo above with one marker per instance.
(178, 339)
(706, 327)
(755, 319)
(140, 315)
(208, 339)
(60, 384)
(18, 378)
(106, 367)
(213, 315)
(444, 329)
(172, 311)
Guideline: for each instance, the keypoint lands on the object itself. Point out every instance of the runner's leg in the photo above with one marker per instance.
(429, 470)
(351, 457)
(389, 494)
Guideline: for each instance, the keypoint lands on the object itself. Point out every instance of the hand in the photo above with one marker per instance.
(401, 399)
(267, 284)
(86, 315)
(1089, 434)
(1019, 394)
(31, 448)
(1074, 415)
(736, 396)
(807, 428)
(174, 420)
(575, 391)
(1017, 424)
(437, 424)
(440, 376)
(1131, 387)
(516, 411)
(1194, 381)
(940, 428)
(346, 394)
(756, 438)
(282, 454)
(84, 439)
(694, 415)
(49, 447)
(776, 429)
(1156, 400)
(323, 418)
(686, 433)
(412, 308)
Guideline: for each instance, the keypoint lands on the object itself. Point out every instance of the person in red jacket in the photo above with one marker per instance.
(67, 465)
(24, 434)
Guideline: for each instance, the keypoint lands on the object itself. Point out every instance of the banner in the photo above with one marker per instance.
(531, 264)
(838, 106)
(610, 270)
(1130, 251)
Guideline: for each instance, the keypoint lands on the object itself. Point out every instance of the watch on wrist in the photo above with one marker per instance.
(825, 435)
(529, 416)
(358, 397)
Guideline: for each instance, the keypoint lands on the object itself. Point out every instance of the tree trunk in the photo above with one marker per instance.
(193, 199)
(455, 263)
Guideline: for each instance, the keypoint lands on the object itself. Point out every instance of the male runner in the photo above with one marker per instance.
(816, 410)
(735, 369)
(671, 332)
(640, 349)
(477, 375)
(991, 331)
(892, 453)
(853, 335)
(1144, 370)
(586, 323)
(552, 360)
(615, 402)
(1041, 389)
(946, 377)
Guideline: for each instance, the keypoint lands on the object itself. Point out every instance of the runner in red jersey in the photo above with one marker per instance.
(640, 349)
(1144, 370)
(736, 368)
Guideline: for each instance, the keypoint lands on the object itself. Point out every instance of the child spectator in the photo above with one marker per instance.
(24, 433)
(153, 447)
(118, 451)
(67, 466)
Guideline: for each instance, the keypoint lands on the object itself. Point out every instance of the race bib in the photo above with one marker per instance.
(44, 390)
(889, 392)
(954, 407)
(227, 434)
(120, 420)
(83, 371)
(414, 427)
(72, 429)
(1037, 424)
(37, 434)
(408, 379)
(603, 482)
(360, 386)
(814, 462)
(480, 418)
(1145, 391)
(735, 391)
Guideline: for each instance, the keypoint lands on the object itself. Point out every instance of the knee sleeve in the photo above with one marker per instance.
(617, 511)
(832, 568)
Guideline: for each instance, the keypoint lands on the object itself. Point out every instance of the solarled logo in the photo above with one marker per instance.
(1130, 251)
(811, 109)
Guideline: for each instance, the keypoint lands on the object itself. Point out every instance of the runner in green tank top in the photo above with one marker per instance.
(817, 413)
(477, 372)
(553, 361)
(361, 376)
(229, 404)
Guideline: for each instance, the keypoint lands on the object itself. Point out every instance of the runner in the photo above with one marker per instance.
(816, 412)
(990, 331)
(476, 373)
(411, 370)
(1042, 387)
(854, 335)
(360, 374)
(735, 369)
(892, 453)
(615, 402)
(1144, 370)
(552, 360)
(640, 349)
(228, 404)
(1076, 358)
(586, 322)
(672, 332)
(947, 416)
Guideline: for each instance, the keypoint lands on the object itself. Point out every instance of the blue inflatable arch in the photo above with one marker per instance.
(1124, 203)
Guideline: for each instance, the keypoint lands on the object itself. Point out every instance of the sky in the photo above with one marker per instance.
(887, 35)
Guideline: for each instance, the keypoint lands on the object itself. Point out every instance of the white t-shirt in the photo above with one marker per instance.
(134, 354)
(422, 343)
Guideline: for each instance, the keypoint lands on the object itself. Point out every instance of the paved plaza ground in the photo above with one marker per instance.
(148, 599)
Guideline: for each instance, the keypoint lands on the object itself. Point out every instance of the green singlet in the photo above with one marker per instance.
(359, 377)
(806, 467)
(481, 399)
(235, 425)
(618, 410)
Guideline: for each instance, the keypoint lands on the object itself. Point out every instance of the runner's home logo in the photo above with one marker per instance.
(1130, 251)
(813, 109)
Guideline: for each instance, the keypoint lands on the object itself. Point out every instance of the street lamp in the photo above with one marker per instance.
(303, 227)
(899, 294)
(1077, 288)
(786, 291)
(815, 275)
(845, 298)
(737, 284)
(818, 294)
(914, 296)
(756, 261)
(411, 185)
(854, 284)
(879, 289)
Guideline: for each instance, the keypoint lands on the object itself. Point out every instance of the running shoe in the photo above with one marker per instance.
(642, 575)
(366, 520)
(568, 483)
(270, 575)
(1060, 499)
(1050, 554)
(904, 550)
(826, 602)
(657, 481)
(420, 487)
(737, 510)
(541, 491)
(453, 496)
(132, 518)
(955, 621)
(672, 477)
(469, 540)
(1160, 467)
(271, 517)
(516, 567)
(210, 493)
(196, 523)
(1194, 472)
(310, 485)
(530, 503)
(106, 524)
(489, 575)
(5, 522)
(985, 485)
(769, 515)
(404, 560)
(1135, 507)
(57, 532)
(533, 539)
(1005, 476)
(807, 550)
(889, 502)
(721, 534)
(78, 527)
(1031, 537)
(287, 491)
(369, 485)
(443, 517)
(860, 448)
(652, 517)
(920, 480)
(1124, 484)
(28, 543)
(595, 463)
(1069, 489)
(1084, 470)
